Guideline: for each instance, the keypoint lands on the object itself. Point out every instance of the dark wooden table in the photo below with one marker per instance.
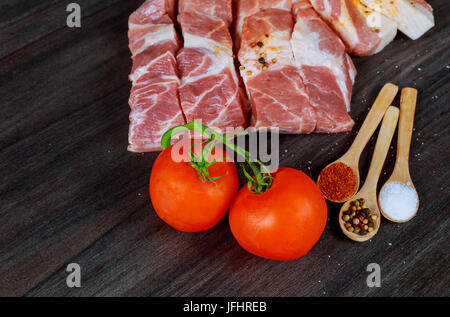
(71, 193)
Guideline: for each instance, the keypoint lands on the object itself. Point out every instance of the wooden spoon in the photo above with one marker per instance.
(376, 113)
(369, 190)
(401, 169)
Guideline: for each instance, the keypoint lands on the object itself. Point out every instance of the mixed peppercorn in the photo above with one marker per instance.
(358, 218)
(262, 57)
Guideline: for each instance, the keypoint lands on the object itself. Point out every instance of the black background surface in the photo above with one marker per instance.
(70, 192)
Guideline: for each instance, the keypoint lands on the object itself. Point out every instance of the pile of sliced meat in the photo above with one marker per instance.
(292, 70)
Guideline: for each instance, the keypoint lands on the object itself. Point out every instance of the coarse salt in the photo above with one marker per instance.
(398, 201)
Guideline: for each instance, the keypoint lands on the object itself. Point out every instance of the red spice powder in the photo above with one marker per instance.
(337, 182)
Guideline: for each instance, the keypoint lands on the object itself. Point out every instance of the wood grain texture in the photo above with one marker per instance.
(70, 191)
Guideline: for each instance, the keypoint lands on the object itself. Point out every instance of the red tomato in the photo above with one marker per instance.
(184, 201)
(282, 223)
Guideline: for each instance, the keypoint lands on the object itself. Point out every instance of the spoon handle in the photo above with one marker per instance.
(376, 113)
(381, 149)
(407, 108)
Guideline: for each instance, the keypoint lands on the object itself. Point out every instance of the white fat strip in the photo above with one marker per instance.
(165, 33)
(142, 70)
(387, 30)
(195, 41)
(305, 44)
(351, 70)
(413, 18)
(345, 24)
(220, 55)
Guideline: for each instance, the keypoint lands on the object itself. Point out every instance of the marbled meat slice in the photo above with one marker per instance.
(277, 94)
(414, 17)
(217, 8)
(326, 70)
(246, 8)
(209, 89)
(363, 30)
(154, 102)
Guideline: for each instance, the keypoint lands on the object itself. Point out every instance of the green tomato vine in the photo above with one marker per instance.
(258, 183)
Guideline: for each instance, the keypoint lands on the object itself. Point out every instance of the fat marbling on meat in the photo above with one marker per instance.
(277, 94)
(363, 30)
(210, 88)
(154, 102)
(246, 8)
(221, 9)
(414, 17)
(326, 70)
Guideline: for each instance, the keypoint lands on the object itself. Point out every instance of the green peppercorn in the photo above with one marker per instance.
(346, 217)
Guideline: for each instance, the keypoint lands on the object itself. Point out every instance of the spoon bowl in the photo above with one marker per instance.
(370, 203)
(355, 170)
(407, 183)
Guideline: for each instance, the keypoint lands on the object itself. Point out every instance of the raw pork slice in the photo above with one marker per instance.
(210, 89)
(154, 101)
(414, 17)
(154, 11)
(327, 71)
(216, 8)
(363, 30)
(275, 88)
(246, 8)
